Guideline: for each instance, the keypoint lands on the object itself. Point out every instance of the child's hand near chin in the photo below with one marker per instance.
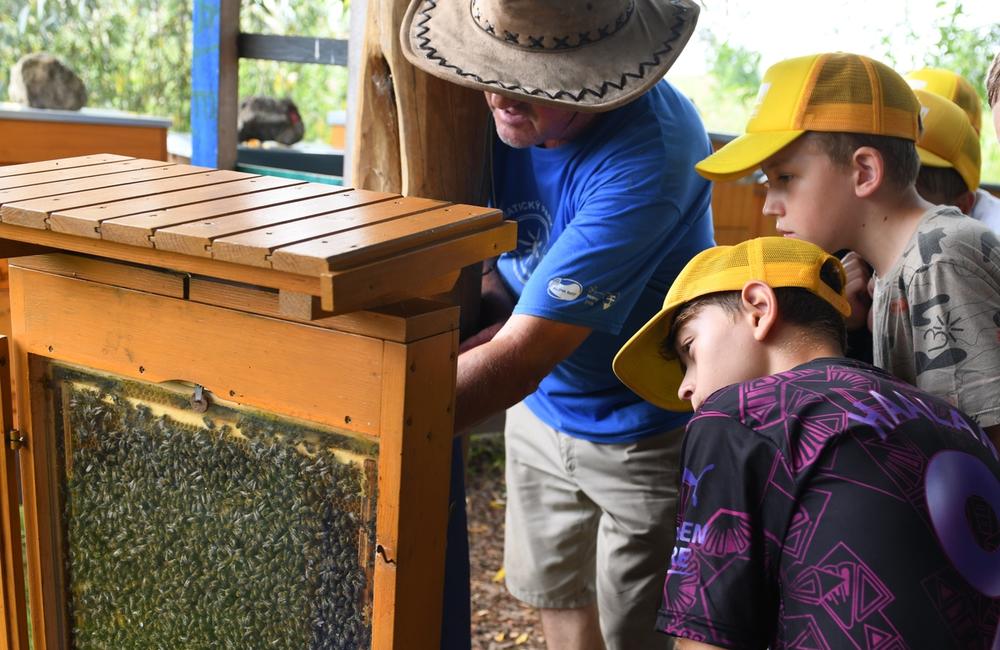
(859, 289)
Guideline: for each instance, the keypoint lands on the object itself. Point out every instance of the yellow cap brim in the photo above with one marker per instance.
(744, 154)
(932, 159)
(641, 367)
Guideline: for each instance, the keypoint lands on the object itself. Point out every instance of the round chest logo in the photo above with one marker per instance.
(533, 230)
(565, 289)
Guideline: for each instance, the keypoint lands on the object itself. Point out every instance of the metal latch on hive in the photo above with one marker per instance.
(15, 440)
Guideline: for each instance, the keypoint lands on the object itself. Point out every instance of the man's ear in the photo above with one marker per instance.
(760, 307)
(868, 168)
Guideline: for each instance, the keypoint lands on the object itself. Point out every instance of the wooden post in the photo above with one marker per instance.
(412, 508)
(214, 83)
(416, 134)
(13, 628)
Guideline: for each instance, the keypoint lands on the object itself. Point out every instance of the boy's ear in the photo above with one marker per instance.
(868, 167)
(760, 308)
(965, 201)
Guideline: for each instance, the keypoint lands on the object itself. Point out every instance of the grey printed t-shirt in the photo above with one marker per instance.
(936, 314)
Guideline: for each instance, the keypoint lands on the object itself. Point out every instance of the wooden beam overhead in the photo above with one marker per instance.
(293, 49)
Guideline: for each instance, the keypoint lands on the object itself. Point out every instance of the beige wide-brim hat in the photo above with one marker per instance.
(583, 55)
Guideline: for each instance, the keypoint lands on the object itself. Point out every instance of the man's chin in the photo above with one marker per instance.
(517, 139)
(517, 143)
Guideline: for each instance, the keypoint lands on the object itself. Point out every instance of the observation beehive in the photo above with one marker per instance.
(234, 407)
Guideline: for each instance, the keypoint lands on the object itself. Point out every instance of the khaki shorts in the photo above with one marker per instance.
(590, 521)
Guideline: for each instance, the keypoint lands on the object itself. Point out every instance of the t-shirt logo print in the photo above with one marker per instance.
(691, 481)
(533, 231)
(564, 289)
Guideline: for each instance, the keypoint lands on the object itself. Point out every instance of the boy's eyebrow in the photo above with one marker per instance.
(678, 335)
(770, 163)
(776, 160)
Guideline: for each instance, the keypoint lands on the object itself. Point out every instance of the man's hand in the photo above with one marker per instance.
(859, 289)
(497, 304)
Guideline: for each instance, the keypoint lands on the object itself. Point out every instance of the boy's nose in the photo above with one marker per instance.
(685, 391)
(772, 207)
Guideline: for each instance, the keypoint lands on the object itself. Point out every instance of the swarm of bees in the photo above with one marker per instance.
(238, 530)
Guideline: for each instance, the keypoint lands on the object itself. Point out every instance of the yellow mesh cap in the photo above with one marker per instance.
(777, 261)
(953, 87)
(845, 93)
(948, 139)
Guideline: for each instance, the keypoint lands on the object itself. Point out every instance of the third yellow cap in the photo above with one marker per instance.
(952, 86)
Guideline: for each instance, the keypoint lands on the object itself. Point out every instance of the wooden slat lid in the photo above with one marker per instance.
(351, 248)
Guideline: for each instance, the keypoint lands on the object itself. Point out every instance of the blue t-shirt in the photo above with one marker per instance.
(605, 223)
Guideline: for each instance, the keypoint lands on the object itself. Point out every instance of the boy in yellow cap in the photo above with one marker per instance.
(950, 160)
(936, 183)
(835, 134)
(824, 503)
(953, 87)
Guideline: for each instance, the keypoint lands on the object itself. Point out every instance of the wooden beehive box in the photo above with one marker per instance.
(234, 406)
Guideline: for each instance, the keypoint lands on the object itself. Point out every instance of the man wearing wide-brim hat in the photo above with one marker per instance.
(594, 159)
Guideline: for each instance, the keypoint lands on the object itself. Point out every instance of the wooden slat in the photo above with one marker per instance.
(167, 259)
(361, 245)
(89, 171)
(320, 375)
(304, 307)
(65, 163)
(403, 321)
(255, 247)
(58, 188)
(137, 229)
(363, 286)
(34, 212)
(294, 49)
(196, 238)
(86, 222)
(117, 274)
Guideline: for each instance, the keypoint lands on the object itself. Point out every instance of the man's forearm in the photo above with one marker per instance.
(488, 383)
(509, 366)
(497, 302)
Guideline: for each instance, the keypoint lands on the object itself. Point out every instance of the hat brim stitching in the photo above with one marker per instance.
(431, 53)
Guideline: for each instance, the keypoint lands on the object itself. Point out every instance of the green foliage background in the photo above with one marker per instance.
(726, 96)
(135, 55)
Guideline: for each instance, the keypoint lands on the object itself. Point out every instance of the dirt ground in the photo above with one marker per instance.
(498, 620)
